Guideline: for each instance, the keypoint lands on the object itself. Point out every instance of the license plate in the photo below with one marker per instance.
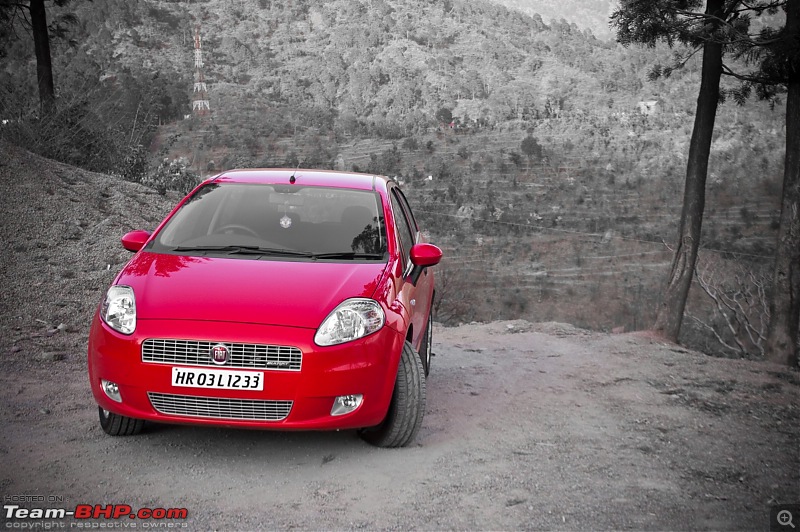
(217, 378)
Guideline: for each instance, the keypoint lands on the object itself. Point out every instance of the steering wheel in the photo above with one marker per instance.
(238, 228)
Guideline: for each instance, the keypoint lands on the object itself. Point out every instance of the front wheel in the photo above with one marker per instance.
(117, 425)
(404, 417)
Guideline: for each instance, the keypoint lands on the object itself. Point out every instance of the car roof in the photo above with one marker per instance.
(320, 178)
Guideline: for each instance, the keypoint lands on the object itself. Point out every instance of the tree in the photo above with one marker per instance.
(780, 61)
(531, 148)
(32, 16)
(444, 115)
(41, 43)
(721, 28)
(649, 22)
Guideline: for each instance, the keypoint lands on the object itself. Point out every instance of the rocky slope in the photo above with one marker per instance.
(60, 248)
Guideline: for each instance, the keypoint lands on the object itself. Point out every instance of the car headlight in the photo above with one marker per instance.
(119, 309)
(351, 320)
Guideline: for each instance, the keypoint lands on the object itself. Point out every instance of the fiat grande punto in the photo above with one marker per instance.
(272, 299)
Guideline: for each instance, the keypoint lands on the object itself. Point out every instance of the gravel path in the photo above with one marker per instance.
(528, 427)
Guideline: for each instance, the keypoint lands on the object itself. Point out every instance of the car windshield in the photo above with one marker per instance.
(254, 221)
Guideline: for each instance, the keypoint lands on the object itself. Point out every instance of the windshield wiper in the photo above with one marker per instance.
(348, 255)
(256, 250)
(246, 250)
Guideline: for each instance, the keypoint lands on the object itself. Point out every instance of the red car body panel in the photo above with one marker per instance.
(273, 302)
(240, 290)
(365, 366)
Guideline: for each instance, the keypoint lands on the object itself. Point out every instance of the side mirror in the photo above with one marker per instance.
(423, 256)
(134, 240)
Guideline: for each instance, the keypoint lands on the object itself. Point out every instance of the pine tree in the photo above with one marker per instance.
(32, 15)
(721, 29)
(779, 63)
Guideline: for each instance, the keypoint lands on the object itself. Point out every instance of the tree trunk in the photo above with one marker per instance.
(784, 324)
(670, 313)
(41, 42)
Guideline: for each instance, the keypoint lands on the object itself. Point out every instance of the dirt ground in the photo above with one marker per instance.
(528, 426)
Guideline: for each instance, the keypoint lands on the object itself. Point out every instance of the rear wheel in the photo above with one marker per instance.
(404, 417)
(117, 425)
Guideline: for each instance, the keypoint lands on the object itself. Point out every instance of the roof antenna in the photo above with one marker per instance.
(292, 178)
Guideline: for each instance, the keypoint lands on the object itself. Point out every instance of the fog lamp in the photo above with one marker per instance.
(112, 390)
(344, 404)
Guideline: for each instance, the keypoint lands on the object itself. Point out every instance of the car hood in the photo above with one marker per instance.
(269, 292)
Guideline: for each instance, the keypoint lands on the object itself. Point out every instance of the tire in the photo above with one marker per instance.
(117, 425)
(426, 348)
(404, 417)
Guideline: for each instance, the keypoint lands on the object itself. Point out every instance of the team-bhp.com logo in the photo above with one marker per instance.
(92, 511)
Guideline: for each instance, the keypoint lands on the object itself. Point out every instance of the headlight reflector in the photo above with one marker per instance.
(119, 309)
(351, 320)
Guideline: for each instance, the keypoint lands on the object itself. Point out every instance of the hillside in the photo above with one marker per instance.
(528, 426)
(592, 15)
(383, 67)
(574, 226)
(60, 249)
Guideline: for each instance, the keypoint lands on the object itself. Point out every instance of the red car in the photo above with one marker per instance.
(272, 299)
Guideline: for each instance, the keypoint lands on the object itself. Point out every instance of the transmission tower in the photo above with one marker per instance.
(200, 105)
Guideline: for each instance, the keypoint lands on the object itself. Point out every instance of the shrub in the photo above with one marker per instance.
(172, 175)
(410, 144)
(531, 148)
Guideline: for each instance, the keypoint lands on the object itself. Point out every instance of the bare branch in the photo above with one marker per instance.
(739, 303)
(714, 332)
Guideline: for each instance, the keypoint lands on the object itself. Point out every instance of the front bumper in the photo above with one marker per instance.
(367, 366)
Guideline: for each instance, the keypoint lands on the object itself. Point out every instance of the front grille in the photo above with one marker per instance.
(198, 353)
(220, 408)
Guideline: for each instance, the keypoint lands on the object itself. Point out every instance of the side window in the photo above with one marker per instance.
(407, 208)
(403, 229)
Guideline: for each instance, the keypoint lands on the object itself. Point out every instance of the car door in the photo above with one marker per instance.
(417, 299)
